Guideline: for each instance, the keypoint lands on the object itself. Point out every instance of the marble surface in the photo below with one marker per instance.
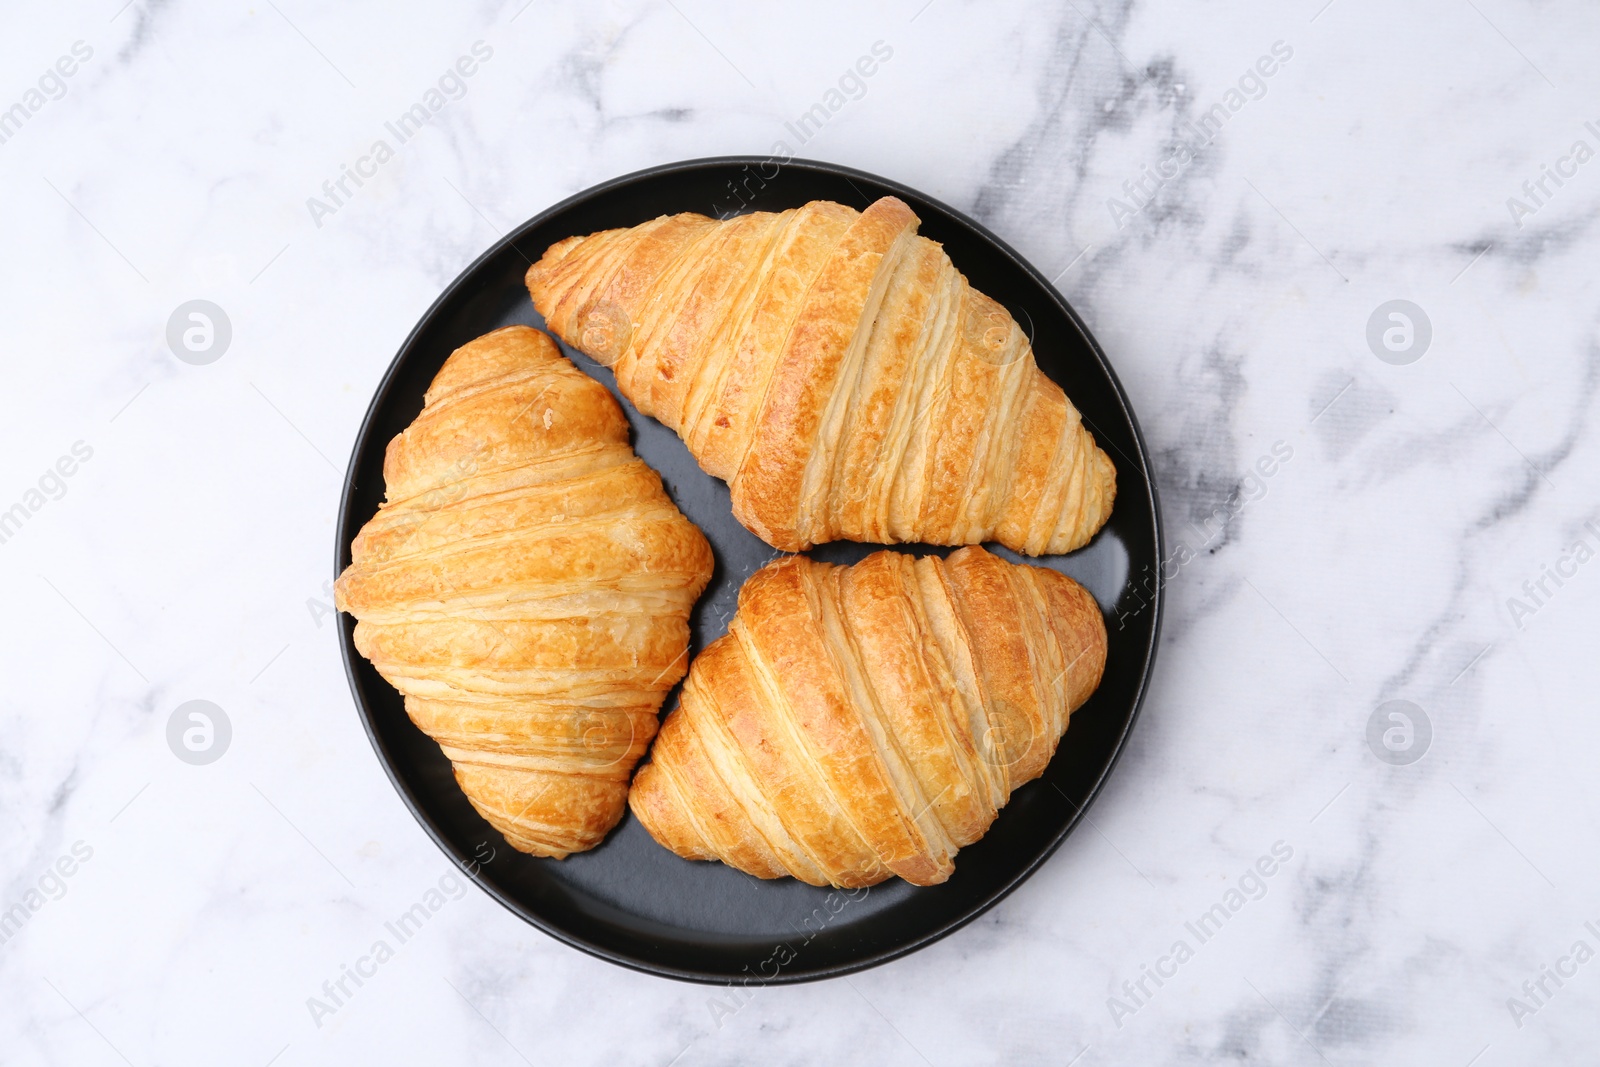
(1404, 551)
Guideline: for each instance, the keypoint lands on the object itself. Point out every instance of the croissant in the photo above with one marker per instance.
(838, 372)
(526, 585)
(857, 722)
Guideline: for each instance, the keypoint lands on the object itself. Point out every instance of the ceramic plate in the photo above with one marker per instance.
(631, 901)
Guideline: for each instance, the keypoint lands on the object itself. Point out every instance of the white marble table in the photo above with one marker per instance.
(1415, 541)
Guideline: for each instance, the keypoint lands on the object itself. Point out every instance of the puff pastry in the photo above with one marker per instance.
(857, 722)
(527, 586)
(838, 372)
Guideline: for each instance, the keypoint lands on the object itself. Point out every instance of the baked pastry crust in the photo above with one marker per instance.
(527, 585)
(838, 372)
(863, 721)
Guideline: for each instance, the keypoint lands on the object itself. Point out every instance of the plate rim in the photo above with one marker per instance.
(344, 531)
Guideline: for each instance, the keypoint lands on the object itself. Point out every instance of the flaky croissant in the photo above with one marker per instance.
(527, 586)
(857, 722)
(838, 372)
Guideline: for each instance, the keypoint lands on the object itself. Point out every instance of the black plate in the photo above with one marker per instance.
(631, 901)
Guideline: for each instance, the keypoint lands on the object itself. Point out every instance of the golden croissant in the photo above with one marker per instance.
(527, 586)
(838, 372)
(857, 722)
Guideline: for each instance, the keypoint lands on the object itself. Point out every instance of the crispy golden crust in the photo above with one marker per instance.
(838, 372)
(867, 721)
(527, 586)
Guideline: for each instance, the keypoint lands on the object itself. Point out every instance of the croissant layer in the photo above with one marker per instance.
(866, 721)
(838, 372)
(526, 585)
